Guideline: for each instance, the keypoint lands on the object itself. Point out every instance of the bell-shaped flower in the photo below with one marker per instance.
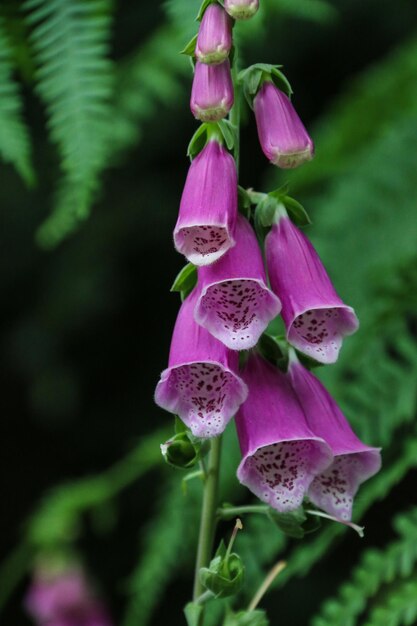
(212, 93)
(241, 9)
(235, 304)
(283, 138)
(354, 462)
(315, 317)
(64, 598)
(280, 454)
(201, 384)
(208, 211)
(214, 40)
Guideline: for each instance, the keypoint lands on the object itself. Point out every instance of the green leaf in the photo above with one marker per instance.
(193, 613)
(189, 49)
(15, 145)
(185, 281)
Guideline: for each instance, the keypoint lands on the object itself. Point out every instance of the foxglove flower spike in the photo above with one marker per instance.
(280, 454)
(201, 383)
(235, 304)
(208, 211)
(354, 462)
(315, 317)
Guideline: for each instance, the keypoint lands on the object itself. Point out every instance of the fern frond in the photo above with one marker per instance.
(15, 144)
(399, 607)
(70, 39)
(376, 568)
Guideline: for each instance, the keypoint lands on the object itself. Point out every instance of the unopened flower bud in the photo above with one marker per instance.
(283, 138)
(241, 9)
(184, 450)
(212, 91)
(214, 39)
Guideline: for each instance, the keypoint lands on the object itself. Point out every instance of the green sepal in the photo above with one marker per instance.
(225, 574)
(308, 363)
(244, 202)
(252, 78)
(224, 132)
(183, 450)
(273, 205)
(202, 9)
(198, 140)
(229, 132)
(295, 524)
(296, 211)
(192, 612)
(185, 281)
(246, 618)
(189, 49)
(275, 350)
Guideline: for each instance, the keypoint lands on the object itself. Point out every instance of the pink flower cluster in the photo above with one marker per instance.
(294, 439)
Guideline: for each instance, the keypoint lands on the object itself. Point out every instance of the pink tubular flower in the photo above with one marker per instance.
(64, 599)
(354, 462)
(208, 211)
(283, 138)
(201, 384)
(212, 94)
(235, 305)
(241, 9)
(214, 39)
(315, 317)
(281, 456)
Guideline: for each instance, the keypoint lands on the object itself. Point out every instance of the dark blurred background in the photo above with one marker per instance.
(86, 326)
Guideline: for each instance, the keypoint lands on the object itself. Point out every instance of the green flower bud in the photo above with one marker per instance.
(184, 450)
(224, 577)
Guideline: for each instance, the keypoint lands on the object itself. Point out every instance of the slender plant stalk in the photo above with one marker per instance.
(208, 515)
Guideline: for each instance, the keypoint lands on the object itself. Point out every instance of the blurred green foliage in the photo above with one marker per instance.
(88, 324)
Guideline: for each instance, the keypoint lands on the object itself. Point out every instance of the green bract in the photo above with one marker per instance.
(252, 78)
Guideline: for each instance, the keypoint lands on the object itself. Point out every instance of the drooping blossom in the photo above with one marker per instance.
(214, 40)
(315, 317)
(280, 454)
(207, 218)
(235, 304)
(354, 462)
(241, 9)
(201, 383)
(64, 598)
(212, 93)
(282, 135)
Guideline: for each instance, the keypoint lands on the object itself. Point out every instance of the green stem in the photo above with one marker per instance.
(237, 511)
(234, 115)
(208, 515)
